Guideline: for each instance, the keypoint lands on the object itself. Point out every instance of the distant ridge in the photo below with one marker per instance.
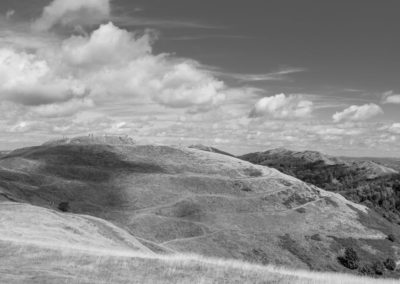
(363, 181)
(283, 156)
(306, 156)
(94, 139)
(210, 149)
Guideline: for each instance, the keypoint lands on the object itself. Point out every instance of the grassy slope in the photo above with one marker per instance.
(43, 246)
(183, 200)
(38, 264)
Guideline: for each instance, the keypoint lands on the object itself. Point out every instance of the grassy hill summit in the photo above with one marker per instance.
(162, 201)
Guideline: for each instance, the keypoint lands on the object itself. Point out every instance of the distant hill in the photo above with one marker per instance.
(393, 163)
(369, 182)
(210, 149)
(2, 153)
(183, 200)
(91, 139)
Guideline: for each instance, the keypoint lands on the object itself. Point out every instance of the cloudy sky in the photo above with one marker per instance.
(238, 75)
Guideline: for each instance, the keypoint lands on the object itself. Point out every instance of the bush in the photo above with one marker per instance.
(349, 259)
(378, 268)
(391, 238)
(390, 264)
(316, 237)
(63, 206)
(367, 270)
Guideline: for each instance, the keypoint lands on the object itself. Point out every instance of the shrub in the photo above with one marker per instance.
(391, 238)
(349, 259)
(316, 237)
(390, 264)
(63, 206)
(378, 268)
(301, 210)
(367, 270)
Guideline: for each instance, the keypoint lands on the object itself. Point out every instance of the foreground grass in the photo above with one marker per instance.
(24, 263)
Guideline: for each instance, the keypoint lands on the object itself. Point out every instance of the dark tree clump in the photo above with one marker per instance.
(378, 267)
(391, 238)
(390, 264)
(63, 206)
(367, 270)
(350, 259)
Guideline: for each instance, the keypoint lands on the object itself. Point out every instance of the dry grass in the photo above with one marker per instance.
(40, 264)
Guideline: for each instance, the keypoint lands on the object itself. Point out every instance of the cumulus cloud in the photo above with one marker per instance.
(395, 128)
(390, 98)
(29, 80)
(120, 63)
(281, 106)
(73, 13)
(9, 14)
(358, 113)
(63, 109)
(108, 45)
(108, 64)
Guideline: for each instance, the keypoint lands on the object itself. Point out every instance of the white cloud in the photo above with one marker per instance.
(29, 80)
(394, 128)
(9, 14)
(390, 98)
(108, 64)
(73, 13)
(358, 113)
(280, 75)
(108, 45)
(63, 109)
(283, 107)
(120, 63)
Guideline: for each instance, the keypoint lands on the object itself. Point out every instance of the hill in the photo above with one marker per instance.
(45, 246)
(393, 163)
(38, 264)
(362, 181)
(210, 149)
(183, 200)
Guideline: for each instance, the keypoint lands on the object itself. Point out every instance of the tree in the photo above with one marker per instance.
(378, 268)
(390, 264)
(64, 206)
(391, 238)
(349, 259)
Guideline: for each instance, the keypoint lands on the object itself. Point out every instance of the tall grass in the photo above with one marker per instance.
(118, 266)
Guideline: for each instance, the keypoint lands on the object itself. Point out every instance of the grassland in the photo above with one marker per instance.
(155, 200)
(25, 263)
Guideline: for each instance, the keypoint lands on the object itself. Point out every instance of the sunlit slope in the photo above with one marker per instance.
(174, 199)
(26, 224)
(39, 264)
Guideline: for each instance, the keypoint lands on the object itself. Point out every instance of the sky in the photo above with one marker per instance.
(241, 76)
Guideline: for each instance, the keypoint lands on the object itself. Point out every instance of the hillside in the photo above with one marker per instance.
(44, 246)
(182, 200)
(58, 261)
(210, 149)
(362, 181)
(393, 163)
